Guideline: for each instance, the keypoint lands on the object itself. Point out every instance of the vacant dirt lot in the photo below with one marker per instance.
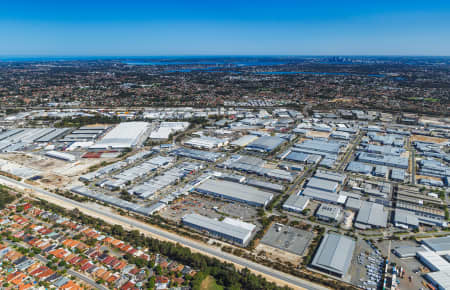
(318, 134)
(428, 139)
(55, 173)
(277, 254)
(427, 177)
(51, 165)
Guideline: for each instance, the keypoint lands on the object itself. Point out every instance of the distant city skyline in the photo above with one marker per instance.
(184, 28)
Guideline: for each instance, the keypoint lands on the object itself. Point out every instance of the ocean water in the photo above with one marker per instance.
(213, 63)
(217, 63)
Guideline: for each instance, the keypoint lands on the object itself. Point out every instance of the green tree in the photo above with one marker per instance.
(151, 283)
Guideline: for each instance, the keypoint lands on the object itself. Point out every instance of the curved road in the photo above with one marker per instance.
(301, 283)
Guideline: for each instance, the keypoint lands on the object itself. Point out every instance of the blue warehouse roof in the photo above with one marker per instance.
(393, 161)
(265, 143)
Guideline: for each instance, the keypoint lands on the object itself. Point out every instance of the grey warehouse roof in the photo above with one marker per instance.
(372, 214)
(380, 159)
(398, 174)
(197, 154)
(408, 251)
(297, 156)
(438, 244)
(323, 184)
(330, 175)
(296, 202)
(266, 143)
(320, 146)
(335, 253)
(265, 185)
(353, 203)
(324, 195)
(405, 217)
(359, 167)
(235, 191)
(328, 211)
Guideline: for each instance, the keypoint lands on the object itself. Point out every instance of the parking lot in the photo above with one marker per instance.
(411, 265)
(367, 266)
(210, 207)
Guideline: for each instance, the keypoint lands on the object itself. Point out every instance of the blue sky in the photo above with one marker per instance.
(227, 27)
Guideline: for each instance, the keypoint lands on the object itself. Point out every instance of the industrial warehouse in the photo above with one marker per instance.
(334, 254)
(371, 215)
(232, 230)
(235, 191)
(435, 256)
(330, 176)
(293, 185)
(125, 135)
(265, 144)
(296, 203)
(205, 142)
(244, 140)
(321, 184)
(378, 159)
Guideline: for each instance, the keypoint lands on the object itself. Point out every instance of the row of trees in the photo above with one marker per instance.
(85, 120)
(224, 273)
(5, 197)
(182, 254)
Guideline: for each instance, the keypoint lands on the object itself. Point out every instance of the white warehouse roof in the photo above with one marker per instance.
(244, 140)
(228, 227)
(441, 279)
(124, 135)
(433, 261)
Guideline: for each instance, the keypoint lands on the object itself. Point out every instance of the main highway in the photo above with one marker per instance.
(289, 280)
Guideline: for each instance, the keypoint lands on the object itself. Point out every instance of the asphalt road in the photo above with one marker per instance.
(413, 171)
(86, 280)
(349, 152)
(300, 179)
(178, 239)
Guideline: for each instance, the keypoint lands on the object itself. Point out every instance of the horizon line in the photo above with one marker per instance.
(210, 55)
